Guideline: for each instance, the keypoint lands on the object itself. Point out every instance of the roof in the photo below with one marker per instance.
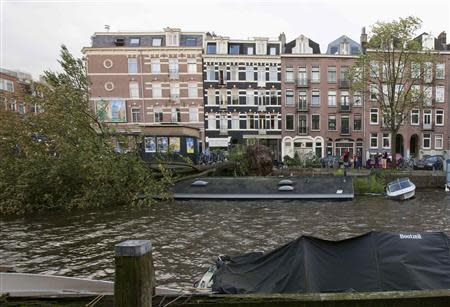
(437, 44)
(333, 47)
(312, 44)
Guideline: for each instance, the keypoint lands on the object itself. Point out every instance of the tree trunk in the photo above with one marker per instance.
(394, 147)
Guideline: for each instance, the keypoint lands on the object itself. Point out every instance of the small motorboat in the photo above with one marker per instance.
(402, 189)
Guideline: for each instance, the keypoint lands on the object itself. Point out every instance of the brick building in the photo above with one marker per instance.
(426, 130)
(14, 85)
(142, 80)
(242, 92)
(321, 116)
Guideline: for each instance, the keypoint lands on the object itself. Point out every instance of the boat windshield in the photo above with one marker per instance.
(393, 187)
(405, 184)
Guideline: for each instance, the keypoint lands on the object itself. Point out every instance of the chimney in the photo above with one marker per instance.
(442, 38)
(282, 39)
(363, 39)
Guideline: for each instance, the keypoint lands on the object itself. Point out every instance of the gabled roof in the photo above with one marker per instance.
(312, 44)
(333, 47)
(437, 44)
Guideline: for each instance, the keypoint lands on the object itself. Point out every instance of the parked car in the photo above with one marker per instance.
(330, 161)
(430, 162)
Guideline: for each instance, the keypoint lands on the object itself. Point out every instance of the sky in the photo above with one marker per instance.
(32, 31)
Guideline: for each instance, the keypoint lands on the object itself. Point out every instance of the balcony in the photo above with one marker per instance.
(303, 83)
(173, 74)
(261, 83)
(262, 108)
(345, 130)
(303, 130)
(344, 108)
(223, 105)
(428, 127)
(344, 84)
(302, 106)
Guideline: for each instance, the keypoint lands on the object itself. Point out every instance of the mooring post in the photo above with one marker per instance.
(134, 276)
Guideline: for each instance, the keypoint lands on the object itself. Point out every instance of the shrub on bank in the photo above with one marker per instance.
(374, 183)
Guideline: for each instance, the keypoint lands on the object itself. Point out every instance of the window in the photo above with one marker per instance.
(191, 41)
(132, 66)
(440, 71)
(6, 85)
(234, 73)
(156, 90)
(135, 41)
(332, 122)
(223, 100)
(357, 99)
(21, 108)
(315, 74)
(332, 74)
(331, 98)
(234, 49)
(289, 74)
(249, 73)
(135, 115)
(192, 90)
(302, 102)
(374, 116)
(415, 70)
(211, 96)
(427, 96)
(290, 98)
(345, 99)
(158, 115)
(155, 66)
(234, 96)
(250, 97)
(289, 122)
(211, 48)
(426, 142)
(235, 122)
(134, 89)
(428, 72)
(427, 118)
(302, 121)
(273, 73)
(415, 115)
(438, 141)
(156, 42)
(273, 51)
(250, 51)
(193, 115)
(174, 91)
(261, 75)
(374, 69)
(191, 65)
(439, 117)
(357, 122)
(212, 122)
(315, 122)
(175, 115)
(315, 98)
(302, 76)
(373, 140)
(13, 105)
(440, 93)
(274, 98)
(386, 140)
(173, 66)
(210, 73)
(373, 92)
(344, 73)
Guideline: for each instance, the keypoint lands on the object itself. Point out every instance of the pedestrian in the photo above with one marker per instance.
(206, 155)
(377, 160)
(346, 158)
(384, 160)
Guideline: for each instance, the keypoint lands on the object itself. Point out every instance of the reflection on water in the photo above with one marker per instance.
(188, 235)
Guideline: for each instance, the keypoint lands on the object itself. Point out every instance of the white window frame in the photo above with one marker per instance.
(289, 74)
(250, 97)
(174, 91)
(212, 123)
(249, 73)
(439, 113)
(439, 137)
(250, 50)
(158, 110)
(155, 66)
(423, 140)
(384, 137)
(287, 104)
(192, 90)
(427, 114)
(440, 67)
(133, 112)
(415, 112)
(312, 115)
(315, 71)
(192, 65)
(273, 73)
(378, 116)
(156, 90)
(210, 72)
(193, 115)
(134, 89)
(272, 51)
(133, 63)
(312, 100)
(156, 42)
(235, 122)
(440, 93)
(331, 94)
(372, 137)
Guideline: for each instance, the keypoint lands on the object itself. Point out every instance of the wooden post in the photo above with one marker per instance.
(134, 276)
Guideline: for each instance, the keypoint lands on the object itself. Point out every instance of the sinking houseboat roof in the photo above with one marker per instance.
(241, 188)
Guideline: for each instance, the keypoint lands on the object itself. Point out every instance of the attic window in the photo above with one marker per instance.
(191, 41)
(156, 42)
(119, 41)
(135, 41)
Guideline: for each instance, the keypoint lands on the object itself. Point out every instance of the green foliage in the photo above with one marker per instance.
(375, 183)
(238, 154)
(305, 161)
(63, 158)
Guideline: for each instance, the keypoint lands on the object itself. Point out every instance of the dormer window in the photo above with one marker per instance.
(211, 48)
(135, 41)
(427, 41)
(234, 49)
(156, 42)
(344, 48)
(119, 41)
(250, 51)
(191, 41)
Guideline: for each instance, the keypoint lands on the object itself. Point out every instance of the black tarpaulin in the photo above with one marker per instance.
(376, 261)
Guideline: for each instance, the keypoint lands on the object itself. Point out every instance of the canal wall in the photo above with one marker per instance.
(422, 179)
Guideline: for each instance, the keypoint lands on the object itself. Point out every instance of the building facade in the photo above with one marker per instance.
(242, 92)
(320, 114)
(426, 130)
(147, 79)
(14, 86)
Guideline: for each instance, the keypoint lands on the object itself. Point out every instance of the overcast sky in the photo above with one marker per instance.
(33, 30)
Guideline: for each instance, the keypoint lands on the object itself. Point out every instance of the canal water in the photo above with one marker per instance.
(188, 235)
